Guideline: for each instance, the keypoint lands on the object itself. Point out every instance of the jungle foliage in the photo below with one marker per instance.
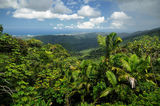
(37, 74)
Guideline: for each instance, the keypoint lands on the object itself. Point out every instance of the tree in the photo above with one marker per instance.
(109, 42)
(1, 28)
(34, 43)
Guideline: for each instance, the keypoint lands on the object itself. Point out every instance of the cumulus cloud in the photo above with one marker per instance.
(44, 5)
(55, 27)
(119, 20)
(32, 4)
(86, 1)
(41, 5)
(88, 11)
(40, 15)
(43, 9)
(92, 23)
(62, 26)
(70, 26)
(59, 26)
(59, 7)
(119, 16)
(71, 2)
(8, 4)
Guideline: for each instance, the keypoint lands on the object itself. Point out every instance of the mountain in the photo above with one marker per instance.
(152, 32)
(78, 42)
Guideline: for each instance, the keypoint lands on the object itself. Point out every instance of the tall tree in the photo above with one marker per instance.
(109, 42)
(1, 28)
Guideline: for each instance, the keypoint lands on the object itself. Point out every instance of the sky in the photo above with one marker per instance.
(32, 17)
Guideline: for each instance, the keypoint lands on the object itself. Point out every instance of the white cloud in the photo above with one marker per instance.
(40, 15)
(117, 25)
(85, 25)
(97, 20)
(70, 26)
(40, 10)
(119, 20)
(8, 4)
(71, 2)
(55, 27)
(40, 19)
(68, 17)
(88, 11)
(86, 1)
(91, 24)
(62, 26)
(59, 26)
(59, 7)
(40, 5)
(119, 16)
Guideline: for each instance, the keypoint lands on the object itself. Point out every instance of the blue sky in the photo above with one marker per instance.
(23, 17)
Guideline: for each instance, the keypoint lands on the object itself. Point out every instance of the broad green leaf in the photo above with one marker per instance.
(148, 59)
(49, 102)
(20, 92)
(82, 65)
(24, 99)
(75, 74)
(134, 60)
(118, 39)
(111, 77)
(106, 92)
(89, 69)
(126, 65)
(101, 40)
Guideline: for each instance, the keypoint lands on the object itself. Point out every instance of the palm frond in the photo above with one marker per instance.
(101, 40)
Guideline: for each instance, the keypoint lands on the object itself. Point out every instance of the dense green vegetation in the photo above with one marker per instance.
(33, 73)
(84, 41)
(71, 42)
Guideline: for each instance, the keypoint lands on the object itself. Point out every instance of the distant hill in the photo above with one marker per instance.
(75, 42)
(78, 42)
(152, 32)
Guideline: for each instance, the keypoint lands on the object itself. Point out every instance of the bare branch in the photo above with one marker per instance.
(6, 89)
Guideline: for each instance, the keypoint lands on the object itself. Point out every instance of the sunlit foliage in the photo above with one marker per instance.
(37, 74)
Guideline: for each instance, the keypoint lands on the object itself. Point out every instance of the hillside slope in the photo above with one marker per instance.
(80, 42)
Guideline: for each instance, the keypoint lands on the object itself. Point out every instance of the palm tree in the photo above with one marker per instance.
(109, 42)
(112, 42)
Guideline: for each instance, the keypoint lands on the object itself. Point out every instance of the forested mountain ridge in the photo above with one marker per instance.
(84, 41)
(36, 74)
(75, 43)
